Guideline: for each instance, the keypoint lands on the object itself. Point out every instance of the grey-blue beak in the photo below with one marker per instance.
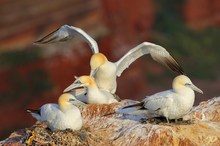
(74, 85)
(193, 87)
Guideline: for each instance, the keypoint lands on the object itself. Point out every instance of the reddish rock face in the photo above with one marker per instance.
(202, 13)
(126, 129)
(116, 25)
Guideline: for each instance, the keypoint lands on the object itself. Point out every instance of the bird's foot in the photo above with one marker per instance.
(155, 120)
(183, 122)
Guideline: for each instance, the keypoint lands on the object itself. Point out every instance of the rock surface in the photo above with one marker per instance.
(116, 129)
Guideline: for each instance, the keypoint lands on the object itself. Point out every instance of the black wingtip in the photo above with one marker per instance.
(47, 39)
(134, 105)
(174, 66)
(33, 111)
(28, 110)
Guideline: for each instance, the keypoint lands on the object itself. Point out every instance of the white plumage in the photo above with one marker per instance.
(60, 116)
(174, 103)
(94, 94)
(104, 71)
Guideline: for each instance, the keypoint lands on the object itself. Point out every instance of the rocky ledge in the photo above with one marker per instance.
(122, 129)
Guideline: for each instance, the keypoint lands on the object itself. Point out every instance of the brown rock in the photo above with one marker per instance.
(118, 130)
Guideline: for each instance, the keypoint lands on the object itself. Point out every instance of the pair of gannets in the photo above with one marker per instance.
(61, 116)
(173, 103)
(104, 71)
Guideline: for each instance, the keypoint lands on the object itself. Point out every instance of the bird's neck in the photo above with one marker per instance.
(106, 71)
(185, 91)
(92, 83)
(107, 64)
(186, 98)
(93, 87)
(94, 91)
(65, 107)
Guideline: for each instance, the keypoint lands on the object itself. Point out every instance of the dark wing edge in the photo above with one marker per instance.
(171, 64)
(48, 38)
(141, 104)
(33, 111)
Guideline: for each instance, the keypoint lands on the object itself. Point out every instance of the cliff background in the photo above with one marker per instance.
(31, 76)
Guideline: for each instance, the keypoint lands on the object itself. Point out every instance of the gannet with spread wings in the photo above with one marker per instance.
(105, 71)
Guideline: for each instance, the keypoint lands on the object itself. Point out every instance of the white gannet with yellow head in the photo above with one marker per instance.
(94, 94)
(104, 71)
(61, 116)
(173, 103)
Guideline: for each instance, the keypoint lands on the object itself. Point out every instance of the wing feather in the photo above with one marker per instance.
(49, 112)
(157, 52)
(67, 32)
(159, 100)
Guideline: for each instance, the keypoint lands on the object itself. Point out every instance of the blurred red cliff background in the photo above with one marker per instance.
(33, 75)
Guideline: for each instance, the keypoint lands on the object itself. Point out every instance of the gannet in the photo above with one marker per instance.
(104, 71)
(94, 94)
(65, 33)
(173, 103)
(61, 116)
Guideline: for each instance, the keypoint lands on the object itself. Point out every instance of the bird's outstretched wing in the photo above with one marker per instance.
(67, 32)
(157, 52)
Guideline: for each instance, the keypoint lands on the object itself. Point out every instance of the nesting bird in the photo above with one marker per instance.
(104, 71)
(173, 103)
(94, 94)
(61, 116)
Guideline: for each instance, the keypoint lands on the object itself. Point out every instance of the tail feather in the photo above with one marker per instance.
(135, 105)
(33, 111)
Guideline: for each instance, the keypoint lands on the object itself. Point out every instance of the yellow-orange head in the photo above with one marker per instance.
(64, 100)
(97, 60)
(183, 81)
(87, 80)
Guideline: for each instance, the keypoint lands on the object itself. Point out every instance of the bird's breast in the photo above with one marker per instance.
(106, 77)
(182, 105)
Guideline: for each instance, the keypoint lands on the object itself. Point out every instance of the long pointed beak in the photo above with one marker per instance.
(77, 102)
(193, 87)
(73, 86)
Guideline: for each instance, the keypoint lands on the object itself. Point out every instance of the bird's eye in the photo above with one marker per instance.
(77, 81)
(71, 99)
(187, 84)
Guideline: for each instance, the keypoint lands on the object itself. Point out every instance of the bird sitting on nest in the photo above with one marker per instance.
(173, 103)
(61, 116)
